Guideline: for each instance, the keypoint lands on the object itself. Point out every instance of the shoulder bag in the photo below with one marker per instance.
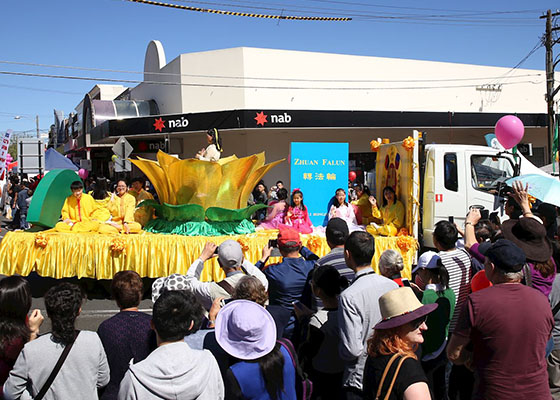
(380, 388)
(56, 369)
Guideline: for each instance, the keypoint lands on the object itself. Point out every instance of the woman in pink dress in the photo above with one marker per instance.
(276, 211)
(341, 209)
(297, 216)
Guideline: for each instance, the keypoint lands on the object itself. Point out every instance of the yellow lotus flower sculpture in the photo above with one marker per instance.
(226, 183)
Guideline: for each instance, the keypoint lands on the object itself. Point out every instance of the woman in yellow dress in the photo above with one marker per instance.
(363, 203)
(390, 218)
(121, 206)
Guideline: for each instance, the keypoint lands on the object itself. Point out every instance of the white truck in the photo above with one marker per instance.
(447, 179)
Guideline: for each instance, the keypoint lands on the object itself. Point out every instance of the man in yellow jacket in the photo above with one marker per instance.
(122, 207)
(80, 212)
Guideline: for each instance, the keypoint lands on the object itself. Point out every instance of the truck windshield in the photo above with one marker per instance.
(489, 171)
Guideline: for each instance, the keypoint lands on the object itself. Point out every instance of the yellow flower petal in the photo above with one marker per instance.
(234, 179)
(195, 181)
(157, 177)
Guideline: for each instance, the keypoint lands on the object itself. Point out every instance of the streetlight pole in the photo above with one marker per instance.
(37, 122)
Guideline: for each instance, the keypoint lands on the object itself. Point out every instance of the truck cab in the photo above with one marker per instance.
(456, 177)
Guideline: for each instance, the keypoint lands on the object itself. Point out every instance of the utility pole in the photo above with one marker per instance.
(37, 122)
(549, 43)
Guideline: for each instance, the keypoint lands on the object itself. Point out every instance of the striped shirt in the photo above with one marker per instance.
(334, 258)
(458, 265)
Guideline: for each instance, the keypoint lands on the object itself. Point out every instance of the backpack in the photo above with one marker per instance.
(304, 387)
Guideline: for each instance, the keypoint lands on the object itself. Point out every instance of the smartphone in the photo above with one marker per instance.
(296, 303)
(216, 251)
(225, 301)
(405, 282)
(484, 213)
(451, 219)
(273, 243)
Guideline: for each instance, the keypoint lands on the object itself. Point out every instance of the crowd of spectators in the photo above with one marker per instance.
(477, 320)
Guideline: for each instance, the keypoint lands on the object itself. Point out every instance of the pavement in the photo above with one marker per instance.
(98, 306)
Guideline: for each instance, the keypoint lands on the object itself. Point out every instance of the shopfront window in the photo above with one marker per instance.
(489, 171)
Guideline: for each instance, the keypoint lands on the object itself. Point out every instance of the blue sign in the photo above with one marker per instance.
(318, 169)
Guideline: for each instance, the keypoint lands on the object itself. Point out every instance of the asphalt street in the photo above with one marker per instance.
(98, 306)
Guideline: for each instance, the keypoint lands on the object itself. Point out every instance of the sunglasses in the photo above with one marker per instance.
(418, 321)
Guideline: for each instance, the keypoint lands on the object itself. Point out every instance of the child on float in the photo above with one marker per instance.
(276, 211)
(341, 209)
(297, 216)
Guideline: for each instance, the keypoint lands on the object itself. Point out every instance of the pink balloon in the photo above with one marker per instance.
(509, 131)
(83, 173)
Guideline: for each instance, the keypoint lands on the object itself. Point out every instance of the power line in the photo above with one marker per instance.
(269, 78)
(302, 8)
(39, 89)
(243, 86)
(240, 14)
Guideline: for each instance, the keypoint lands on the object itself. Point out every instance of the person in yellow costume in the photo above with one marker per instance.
(122, 207)
(142, 214)
(80, 212)
(363, 203)
(390, 218)
(137, 190)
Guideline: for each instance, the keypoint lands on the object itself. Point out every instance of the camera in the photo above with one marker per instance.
(273, 243)
(484, 213)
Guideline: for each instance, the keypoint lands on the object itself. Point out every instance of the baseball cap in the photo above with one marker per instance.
(428, 260)
(230, 254)
(288, 238)
(504, 254)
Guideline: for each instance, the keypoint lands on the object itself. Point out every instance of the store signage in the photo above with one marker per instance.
(263, 118)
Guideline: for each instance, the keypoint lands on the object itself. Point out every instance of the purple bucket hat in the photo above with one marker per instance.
(245, 330)
(401, 306)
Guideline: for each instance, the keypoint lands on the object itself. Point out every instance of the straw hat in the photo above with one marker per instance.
(401, 306)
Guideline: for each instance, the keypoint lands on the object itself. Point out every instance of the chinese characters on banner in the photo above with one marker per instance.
(4, 144)
(318, 169)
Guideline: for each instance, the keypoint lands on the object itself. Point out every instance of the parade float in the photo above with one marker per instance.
(199, 201)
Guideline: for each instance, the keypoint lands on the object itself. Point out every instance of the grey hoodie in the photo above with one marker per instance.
(174, 371)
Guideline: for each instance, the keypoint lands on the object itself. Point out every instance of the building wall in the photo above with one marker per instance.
(381, 84)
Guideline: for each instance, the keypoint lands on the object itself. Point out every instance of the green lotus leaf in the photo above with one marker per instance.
(219, 214)
(170, 212)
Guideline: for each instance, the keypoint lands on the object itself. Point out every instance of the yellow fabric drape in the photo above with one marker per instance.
(89, 255)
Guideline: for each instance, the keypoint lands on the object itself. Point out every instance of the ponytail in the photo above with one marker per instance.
(216, 138)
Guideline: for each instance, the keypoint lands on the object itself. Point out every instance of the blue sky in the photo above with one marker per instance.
(113, 34)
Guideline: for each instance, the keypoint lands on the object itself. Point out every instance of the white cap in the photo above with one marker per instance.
(428, 260)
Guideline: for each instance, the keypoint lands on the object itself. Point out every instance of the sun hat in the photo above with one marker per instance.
(171, 282)
(428, 260)
(288, 238)
(230, 254)
(401, 306)
(245, 330)
(530, 235)
(504, 254)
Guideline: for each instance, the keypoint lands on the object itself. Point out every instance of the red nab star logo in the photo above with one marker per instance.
(261, 118)
(160, 124)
